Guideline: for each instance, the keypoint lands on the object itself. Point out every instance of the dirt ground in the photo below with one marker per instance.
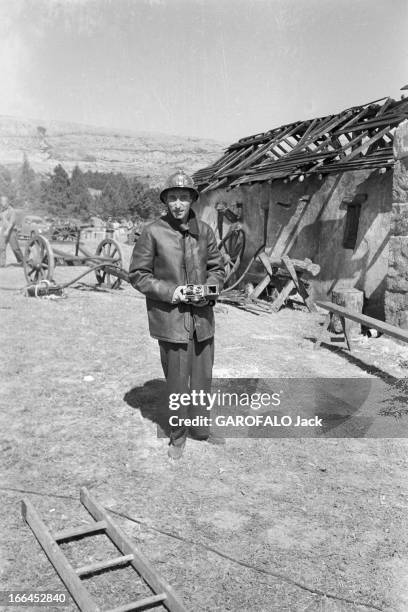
(281, 525)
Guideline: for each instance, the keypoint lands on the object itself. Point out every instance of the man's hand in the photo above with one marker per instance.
(178, 295)
(201, 303)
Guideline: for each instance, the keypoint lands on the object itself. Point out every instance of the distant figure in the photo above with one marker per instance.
(109, 228)
(8, 232)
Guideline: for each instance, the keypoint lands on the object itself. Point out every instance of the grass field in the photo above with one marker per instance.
(285, 525)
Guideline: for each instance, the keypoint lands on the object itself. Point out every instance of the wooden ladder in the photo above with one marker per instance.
(164, 594)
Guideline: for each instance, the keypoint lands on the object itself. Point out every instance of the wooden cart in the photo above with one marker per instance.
(40, 260)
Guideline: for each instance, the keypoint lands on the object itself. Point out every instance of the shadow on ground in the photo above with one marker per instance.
(150, 399)
(354, 360)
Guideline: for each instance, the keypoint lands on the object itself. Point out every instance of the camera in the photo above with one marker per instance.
(198, 293)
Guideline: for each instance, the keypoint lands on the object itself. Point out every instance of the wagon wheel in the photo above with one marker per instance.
(64, 234)
(232, 247)
(39, 261)
(111, 249)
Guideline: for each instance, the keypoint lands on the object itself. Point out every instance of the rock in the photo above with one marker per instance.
(399, 219)
(400, 145)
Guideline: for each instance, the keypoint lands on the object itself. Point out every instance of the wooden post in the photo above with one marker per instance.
(351, 299)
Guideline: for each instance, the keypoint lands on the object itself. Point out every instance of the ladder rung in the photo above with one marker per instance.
(148, 602)
(78, 532)
(101, 565)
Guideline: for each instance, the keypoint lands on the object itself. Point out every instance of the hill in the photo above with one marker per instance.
(149, 156)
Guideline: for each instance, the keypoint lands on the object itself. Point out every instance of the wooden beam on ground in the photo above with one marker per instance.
(79, 532)
(64, 569)
(140, 563)
(141, 604)
(98, 566)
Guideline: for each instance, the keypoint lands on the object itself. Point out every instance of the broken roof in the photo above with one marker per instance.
(358, 137)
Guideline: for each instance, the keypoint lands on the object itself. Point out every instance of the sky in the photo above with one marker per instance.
(217, 69)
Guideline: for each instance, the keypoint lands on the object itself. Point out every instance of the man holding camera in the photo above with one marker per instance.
(174, 262)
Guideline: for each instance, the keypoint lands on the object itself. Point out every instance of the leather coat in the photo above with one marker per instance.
(166, 256)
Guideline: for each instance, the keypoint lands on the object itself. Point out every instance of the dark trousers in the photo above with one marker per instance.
(187, 368)
(11, 239)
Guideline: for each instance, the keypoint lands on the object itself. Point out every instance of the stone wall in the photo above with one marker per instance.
(396, 295)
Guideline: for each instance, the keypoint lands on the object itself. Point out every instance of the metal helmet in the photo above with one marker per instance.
(181, 180)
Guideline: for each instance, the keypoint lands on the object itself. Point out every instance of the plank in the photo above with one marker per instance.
(230, 162)
(312, 125)
(299, 264)
(384, 107)
(214, 185)
(389, 120)
(369, 142)
(385, 328)
(270, 145)
(283, 295)
(79, 532)
(141, 604)
(264, 259)
(327, 127)
(261, 286)
(98, 566)
(311, 306)
(61, 564)
(347, 127)
(247, 305)
(140, 563)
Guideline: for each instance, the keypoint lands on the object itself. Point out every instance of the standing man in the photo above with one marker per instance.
(109, 228)
(176, 250)
(8, 232)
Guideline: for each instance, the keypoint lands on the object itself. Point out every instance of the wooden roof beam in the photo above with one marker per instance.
(237, 156)
(269, 146)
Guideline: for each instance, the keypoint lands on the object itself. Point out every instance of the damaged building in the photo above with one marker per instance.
(332, 189)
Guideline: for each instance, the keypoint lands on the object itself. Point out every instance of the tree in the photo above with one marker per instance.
(56, 192)
(7, 187)
(79, 197)
(150, 204)
(27, 188)
(124, 196)
(145, 201)
(108, 200)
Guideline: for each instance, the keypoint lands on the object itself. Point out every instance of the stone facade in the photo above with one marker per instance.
(396, 294)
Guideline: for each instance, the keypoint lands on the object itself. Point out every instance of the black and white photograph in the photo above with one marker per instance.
(204, 305)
